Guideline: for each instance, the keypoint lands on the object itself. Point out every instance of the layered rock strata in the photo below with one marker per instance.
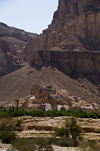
(71, 42)
(73, 18)
(37, 126)
(69, 62)
(73, 56)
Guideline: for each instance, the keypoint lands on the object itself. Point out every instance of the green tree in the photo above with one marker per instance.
(62, 132)
(74, 129)
(17, 102)
(71, 130)
(63, 109)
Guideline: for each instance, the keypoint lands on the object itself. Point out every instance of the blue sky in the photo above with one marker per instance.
(30, 15)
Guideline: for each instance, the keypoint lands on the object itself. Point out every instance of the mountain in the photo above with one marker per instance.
(66, 55)
(72, 41)
(12, 45)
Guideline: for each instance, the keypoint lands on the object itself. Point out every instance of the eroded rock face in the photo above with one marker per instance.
(72, 56)
(46, 125)
(12, 45)
(75, 18)
(72, 41)
(69, 62)
(9, 57)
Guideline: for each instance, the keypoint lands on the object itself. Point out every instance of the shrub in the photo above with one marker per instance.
(7, 124)
(7, 127)
(23, 144)
(49, 87)
(89, 146)
(7, 136)
(4, 114)
(64, 141)
(63, 109)
(43, 144)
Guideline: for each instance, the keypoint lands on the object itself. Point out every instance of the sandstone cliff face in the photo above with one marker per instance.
(38, 126)
(69, 62)
(12, 45)
(73, 18)
(72, 41)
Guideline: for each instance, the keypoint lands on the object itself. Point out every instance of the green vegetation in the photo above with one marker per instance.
(64, 141)
(49, 88)
(17, 102)
(71, 132)
(24, 144)
(63, 109)
(7, 130)
(55, 113)
(89, 146)
(69, 135)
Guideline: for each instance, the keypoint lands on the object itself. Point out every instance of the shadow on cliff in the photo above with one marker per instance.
(39, 67)
(92, 77)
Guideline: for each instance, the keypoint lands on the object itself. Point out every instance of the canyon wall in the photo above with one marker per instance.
(73, 18)
(69, 62)
(12, 45)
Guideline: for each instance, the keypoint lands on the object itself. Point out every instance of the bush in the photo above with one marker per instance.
(7, 127)
(89, 146)
(7, 136)
(63, 109)
(65, 141)
(4, 114)
(23, 144)
(43, 144)
(7, 124)
(49, 87)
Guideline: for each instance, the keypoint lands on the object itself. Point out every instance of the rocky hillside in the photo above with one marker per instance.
(72, 41)
(12, 45)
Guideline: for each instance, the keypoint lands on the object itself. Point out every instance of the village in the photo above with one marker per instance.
(48, 99)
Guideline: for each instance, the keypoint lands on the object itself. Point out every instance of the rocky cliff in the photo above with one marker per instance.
(12, 45)
(72, 41)
(38, 126)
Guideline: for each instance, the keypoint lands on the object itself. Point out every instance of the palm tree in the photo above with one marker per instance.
(17, 102)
